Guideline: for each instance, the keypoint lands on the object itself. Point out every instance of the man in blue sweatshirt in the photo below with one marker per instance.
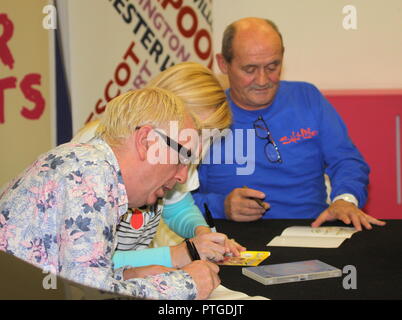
(294, 135)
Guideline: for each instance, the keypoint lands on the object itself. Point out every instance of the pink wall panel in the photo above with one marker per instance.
(374, 121)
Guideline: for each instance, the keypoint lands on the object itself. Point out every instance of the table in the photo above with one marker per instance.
(376, 254)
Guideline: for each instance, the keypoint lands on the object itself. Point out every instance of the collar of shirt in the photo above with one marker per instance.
(122, 198)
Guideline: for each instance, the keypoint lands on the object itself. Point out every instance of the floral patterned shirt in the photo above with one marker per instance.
(61, 215)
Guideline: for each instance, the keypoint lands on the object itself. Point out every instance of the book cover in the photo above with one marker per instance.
(291, 272)
(247, 258)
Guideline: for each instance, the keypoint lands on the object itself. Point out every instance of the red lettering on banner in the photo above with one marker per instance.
(180, 17)
(27, 82)
(117, 73)
(6, 83)
(200, 34)
(121, 77)
(158, 20)
(107, 96)
(144, 26)
(98, 108)
(130, 53)
(187, 23)
(192, 29)
(8, 29)
(32, 95)
(211, 62)
(175, 3)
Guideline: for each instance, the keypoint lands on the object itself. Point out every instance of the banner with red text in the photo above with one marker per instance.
(111, 46)
(26, 84)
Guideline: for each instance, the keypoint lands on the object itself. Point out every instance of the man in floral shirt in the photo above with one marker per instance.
(61, 213)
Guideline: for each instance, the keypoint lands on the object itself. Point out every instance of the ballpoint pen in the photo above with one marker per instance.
(192, 250)
(208, 217)
(260, 203)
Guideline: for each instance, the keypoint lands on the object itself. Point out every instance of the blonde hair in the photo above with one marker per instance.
(200, 90)
(147, 106)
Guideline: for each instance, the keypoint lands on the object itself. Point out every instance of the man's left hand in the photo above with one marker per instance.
(348, 213)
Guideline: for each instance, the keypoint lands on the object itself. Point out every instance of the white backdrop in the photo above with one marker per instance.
(112, 46)
(319, 49)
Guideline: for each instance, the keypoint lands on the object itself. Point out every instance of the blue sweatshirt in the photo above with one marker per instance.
(312, 140)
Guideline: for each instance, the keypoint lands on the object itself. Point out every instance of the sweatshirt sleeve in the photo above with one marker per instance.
(215, 201)
(138, 258)
(345, 165)
(183, 216)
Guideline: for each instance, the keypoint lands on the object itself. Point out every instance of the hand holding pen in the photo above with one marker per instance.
(259, 201)
(212, 246)
(245, 204)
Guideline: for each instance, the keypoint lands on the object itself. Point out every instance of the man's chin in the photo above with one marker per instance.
(262, 101)
(263, 97)
(155, 198)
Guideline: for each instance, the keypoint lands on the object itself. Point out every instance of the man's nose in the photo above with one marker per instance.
(262, 78)
(182, 173)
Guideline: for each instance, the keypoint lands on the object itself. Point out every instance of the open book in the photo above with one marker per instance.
(223, 293)
(308, 237)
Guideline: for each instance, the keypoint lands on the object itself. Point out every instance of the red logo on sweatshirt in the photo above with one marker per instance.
(302, 134)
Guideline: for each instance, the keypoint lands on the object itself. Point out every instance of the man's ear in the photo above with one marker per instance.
(222, 63)
(141, 141)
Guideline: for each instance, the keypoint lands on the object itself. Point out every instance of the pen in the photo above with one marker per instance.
(260, 203)
(192, 250)
(196, 254)
(208, 217)
(211, 223)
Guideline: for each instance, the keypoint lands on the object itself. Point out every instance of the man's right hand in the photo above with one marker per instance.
(205, 276)
(239, 205)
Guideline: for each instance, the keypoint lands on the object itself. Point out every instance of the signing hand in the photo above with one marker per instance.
(205, 276)
(348, 213)
(231, 246)
(239, 205)
(234, 248)
(214, 245)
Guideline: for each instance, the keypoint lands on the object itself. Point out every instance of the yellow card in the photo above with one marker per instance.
(247, 258)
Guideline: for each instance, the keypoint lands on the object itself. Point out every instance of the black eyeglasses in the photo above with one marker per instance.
(271, 149)
(185, 154)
